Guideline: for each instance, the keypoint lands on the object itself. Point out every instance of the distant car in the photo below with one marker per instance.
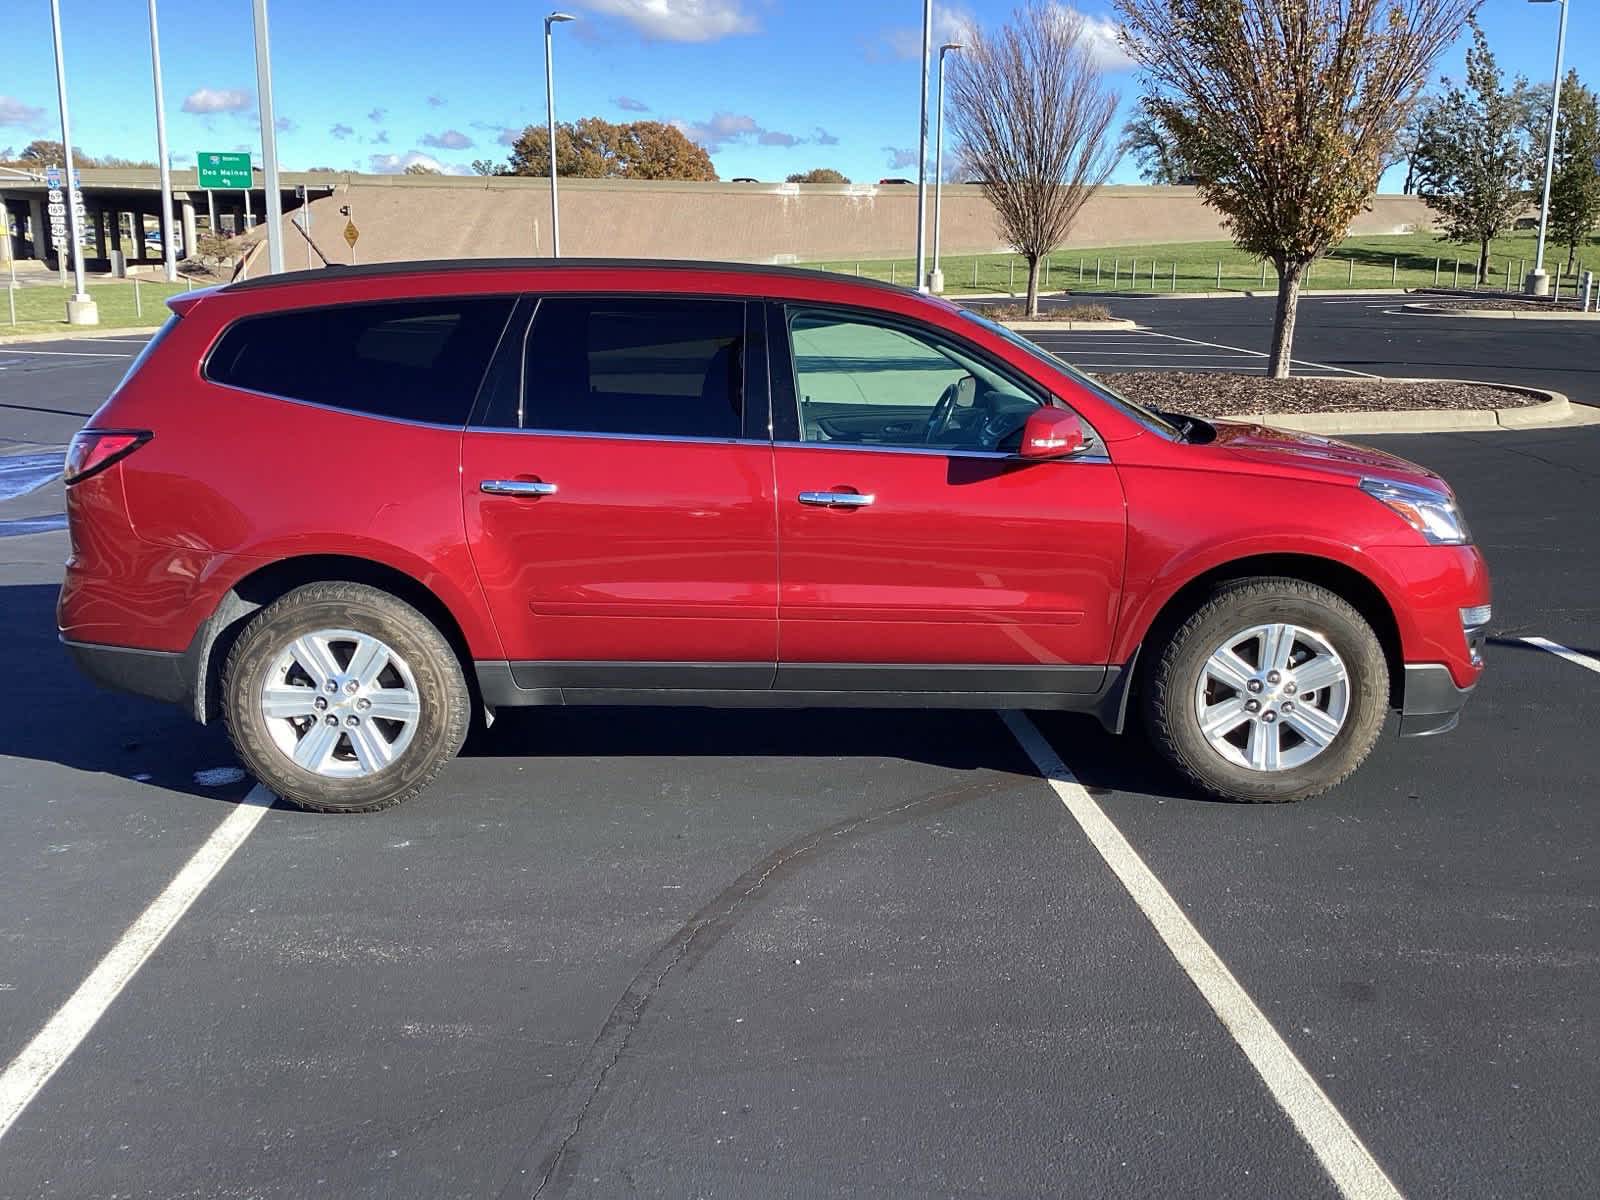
(611, 482)
(745, 179)
(886, 182)
(152, 240)
(1525, 223)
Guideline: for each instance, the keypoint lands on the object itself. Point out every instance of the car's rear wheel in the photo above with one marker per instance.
(342, 698)
(1272, 690)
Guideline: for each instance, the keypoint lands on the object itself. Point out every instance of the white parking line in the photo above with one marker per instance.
(1298, 362)
(63, 1032)
(1560, 651)
(1348, 1162)
(66, 353)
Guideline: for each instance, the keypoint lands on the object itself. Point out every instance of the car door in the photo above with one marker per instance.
(617, 485)
(917, 551)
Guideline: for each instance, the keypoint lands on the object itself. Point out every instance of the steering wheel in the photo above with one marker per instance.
(964, 388)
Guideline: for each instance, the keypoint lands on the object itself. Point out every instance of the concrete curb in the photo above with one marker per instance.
(1554, 409)
(1497, 314)
(78, 334)
(1069, 326)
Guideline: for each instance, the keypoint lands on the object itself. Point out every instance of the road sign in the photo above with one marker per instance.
(224, 170)
(351, 233)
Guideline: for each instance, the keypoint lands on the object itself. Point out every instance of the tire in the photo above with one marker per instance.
(1266, 758)
(385, 728)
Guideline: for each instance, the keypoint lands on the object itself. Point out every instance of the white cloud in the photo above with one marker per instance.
(341, 131)
(681, 20)
(629, 104)
(395, 164)
(722, 128)
(377, 115)
(950, 22)
(217, 100)
(435, 101)
(823, 138)
(508, 137)
(15, 112)
(1099, 35)
(899, 158)
(450, 139)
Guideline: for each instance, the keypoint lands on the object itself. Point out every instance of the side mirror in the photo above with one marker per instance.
(1052, 433)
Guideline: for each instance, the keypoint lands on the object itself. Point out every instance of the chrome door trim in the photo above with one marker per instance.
(517, 487)
(837, 499)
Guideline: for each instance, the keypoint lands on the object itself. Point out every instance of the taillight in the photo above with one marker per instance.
(93, 450)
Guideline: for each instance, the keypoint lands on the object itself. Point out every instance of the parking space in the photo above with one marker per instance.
(682, 952)
(1155, 350)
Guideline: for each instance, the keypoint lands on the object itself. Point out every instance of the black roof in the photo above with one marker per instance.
(336, 271)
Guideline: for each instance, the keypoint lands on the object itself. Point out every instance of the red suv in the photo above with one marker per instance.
(345, 510)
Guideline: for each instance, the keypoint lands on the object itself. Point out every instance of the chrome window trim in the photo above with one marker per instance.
(942, 452)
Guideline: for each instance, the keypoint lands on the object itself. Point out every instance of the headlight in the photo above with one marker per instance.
(1430, 512)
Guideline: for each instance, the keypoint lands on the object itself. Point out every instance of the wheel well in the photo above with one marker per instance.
(1346, 582)
(261, 587)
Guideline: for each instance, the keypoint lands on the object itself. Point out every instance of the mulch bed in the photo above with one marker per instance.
(1064, 312)
(1224, 395)
(1448, 300)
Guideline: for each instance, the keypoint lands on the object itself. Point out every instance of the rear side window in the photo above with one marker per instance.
(652, 367)
(418, 360)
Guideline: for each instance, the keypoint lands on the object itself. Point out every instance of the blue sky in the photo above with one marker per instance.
(768, 86)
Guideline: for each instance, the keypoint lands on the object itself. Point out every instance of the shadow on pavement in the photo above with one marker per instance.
(50, 713)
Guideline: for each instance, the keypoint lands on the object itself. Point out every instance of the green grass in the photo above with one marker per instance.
(1396, 260)
(42, 308)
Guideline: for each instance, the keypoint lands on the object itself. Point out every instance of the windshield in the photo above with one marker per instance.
(1138, 412)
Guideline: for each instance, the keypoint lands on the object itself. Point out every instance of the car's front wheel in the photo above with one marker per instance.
(343, 698)
(1272, 690)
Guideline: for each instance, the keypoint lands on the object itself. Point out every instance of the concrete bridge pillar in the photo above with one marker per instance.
(186, 209)
(38, 230)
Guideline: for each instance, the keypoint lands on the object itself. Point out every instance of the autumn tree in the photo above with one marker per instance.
(421, 168)
(1155, 152)
(1575, 184)
(593, 148)
(1288, 111)
(1032, 114)
(818, 175)
(1472, 161)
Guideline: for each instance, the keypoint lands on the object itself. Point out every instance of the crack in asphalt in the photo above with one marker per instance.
(699, 933)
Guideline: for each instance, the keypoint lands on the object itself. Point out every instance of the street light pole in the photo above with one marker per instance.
(80, 309)
(550, 120)
(936, 282)
(922, 151)
(1538, 283)
(168, 250)
(269, 141)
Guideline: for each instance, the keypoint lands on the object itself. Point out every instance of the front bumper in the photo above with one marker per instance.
(1433, 702)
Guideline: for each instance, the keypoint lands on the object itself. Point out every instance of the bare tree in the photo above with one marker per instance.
(1288, 110)
(1032, 115)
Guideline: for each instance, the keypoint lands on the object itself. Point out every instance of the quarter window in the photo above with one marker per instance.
(414, 360)
(863, 382)
(652, 367)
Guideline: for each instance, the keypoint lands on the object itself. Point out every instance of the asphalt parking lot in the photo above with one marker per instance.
(681, 952)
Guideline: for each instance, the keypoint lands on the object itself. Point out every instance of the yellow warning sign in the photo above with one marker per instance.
(351, 233)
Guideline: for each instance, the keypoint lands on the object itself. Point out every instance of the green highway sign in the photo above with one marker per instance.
(224, 170)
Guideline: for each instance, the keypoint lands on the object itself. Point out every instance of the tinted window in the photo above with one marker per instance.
(417, 360)
(664, 368)
(862, 382)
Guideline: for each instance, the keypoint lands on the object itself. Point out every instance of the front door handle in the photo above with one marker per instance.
(837, 499)
(517, 487)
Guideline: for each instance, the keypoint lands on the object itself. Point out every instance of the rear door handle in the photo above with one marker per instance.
(517, 487)
(837, 499)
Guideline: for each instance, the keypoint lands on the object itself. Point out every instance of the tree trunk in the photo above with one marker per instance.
(1033, 287)
(1572, 257)
(1483, 262)
(1289, 275)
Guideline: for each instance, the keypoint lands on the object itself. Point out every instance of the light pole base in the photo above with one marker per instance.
(82, 311)
(936, 282)
(1537, 283)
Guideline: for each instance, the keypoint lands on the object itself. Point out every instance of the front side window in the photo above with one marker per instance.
(418, 360)
(863, 382)
(662, 367)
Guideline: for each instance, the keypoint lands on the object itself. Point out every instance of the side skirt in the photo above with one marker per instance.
(1097, 690)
